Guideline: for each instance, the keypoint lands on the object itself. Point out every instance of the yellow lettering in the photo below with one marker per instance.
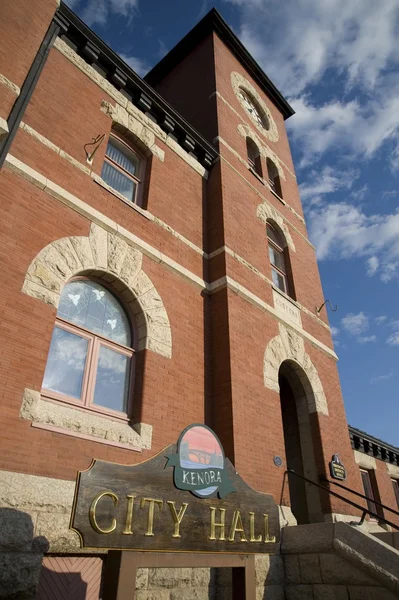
(267, 539)
(177, 517)
(93, 508)
(214, 524)
(129, 515)
(151, 510)
(252, 537)
(237, 527)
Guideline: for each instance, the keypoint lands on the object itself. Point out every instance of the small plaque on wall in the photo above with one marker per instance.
(337, 469)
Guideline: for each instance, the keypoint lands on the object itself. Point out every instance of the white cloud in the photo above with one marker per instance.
(343, 231)
(379, 378)
(352, 44)
(358, 195)
(326, 182)
(393, 339)
(381, 319)
(137, 64)
(355, 324)
(334, 331)
(99, 11)
(372, 265)
(331, 126)
(366, 339)
(305, 39)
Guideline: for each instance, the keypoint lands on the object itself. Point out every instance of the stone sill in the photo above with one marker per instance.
(68, 420)
(277, 196)
(97, 179)
(285, 296)
(255, 174)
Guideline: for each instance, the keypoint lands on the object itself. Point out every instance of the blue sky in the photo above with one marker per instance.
(337, 63)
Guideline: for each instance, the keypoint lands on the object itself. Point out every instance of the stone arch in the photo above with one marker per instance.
(288, 346)
(247, 132)
(237, 82)
(106, 255)
(266, 213)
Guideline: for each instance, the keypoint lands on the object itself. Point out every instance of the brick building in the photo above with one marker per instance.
(156, 272)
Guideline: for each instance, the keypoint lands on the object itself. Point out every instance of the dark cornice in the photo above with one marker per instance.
(213, 21)
(96, 53)
(363, 442)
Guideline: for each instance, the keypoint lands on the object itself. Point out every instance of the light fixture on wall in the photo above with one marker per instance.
(318, 310)
(96, 143)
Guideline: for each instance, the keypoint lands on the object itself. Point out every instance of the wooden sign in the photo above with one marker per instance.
(337, 469)
(141, 507)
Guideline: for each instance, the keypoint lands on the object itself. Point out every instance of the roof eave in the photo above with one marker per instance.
(214, 22)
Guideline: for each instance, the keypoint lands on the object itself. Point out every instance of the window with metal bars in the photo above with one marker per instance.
(121, 169)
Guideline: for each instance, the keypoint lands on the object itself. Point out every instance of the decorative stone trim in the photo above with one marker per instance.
(134, 241)
(39, 410)
(237, 82)
(234, 286)
(125, 109)
(219, 95)
(143, 136)
(364, 460)
(10, 85)
(106, 253)
(290, 346)
(263, 198)
(46, 142)
(246, 131)
(265, 212)
(87, 211)
(393, 471)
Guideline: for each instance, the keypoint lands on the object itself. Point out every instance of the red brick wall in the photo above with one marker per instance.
(216, 369)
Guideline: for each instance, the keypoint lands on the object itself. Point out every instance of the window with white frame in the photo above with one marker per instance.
(253, 155)
(90, 361)
(122, 169)
(277, 258)
(274, 178)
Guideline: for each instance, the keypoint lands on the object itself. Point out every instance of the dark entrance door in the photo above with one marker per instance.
(293, 451)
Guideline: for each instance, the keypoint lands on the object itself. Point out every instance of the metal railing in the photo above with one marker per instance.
(364, 511)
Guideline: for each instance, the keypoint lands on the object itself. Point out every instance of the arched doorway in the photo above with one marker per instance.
(296, 396)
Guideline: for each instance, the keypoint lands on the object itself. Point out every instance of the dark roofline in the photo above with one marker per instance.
(96, 53)
(368, 444)
(213, 21)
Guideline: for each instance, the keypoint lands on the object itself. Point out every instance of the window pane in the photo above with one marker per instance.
(66, 363)
(278, 280)
(396, 490)
(127, 160)
(273, 235)
(118, 181)
(276, 258)
(90, 305)
(368, 490)
(112, 380)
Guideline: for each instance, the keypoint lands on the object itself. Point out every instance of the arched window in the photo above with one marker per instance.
(122, 169)
(254, 157)
(274, 177)
(277, 259)
(90, 357)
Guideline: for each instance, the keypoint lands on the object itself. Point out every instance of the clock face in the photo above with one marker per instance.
(252, 108)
